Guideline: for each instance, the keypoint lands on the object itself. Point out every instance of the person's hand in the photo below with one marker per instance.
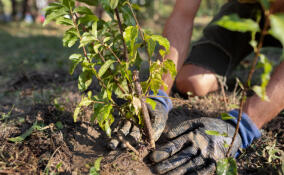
(192, 150)
(158, 116)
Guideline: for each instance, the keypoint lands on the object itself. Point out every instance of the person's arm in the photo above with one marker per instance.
(277, 6)
(178, 31)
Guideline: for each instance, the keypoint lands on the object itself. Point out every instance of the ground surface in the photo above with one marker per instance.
(35, 87)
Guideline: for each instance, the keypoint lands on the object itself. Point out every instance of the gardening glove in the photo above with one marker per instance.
(193, 151)
(158, 116)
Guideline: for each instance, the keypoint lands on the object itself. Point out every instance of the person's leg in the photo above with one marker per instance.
(196, 79)
(217, 52)
(261, 111)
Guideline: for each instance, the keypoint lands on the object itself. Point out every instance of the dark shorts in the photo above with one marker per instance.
(221, 50)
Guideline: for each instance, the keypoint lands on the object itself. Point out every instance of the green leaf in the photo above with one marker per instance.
(227, 166)
(265, 4)
(76, 113)
(85, 101)
(53, 7)
(105, 67)
(90, 2)
(106, 39)
(68, 3)
(75, 60)
(107, 128)
(88, 19)
(23, 136)
(170, 67)
(65, 21)
(260, 92)
(130, 35)
(162, 41)
(85, 80)
(277, 27)
(86, 39)
(96, 47)
(97, 164)
(54, 15)
(226, 116)
(215, 133)
(151, 102)
(151, 45)
(72, 41)
(83, 10)
(59, 125)
(113, 4)
(234, 23)
(95, 29)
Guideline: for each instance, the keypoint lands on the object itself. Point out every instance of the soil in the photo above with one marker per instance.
(73, 147)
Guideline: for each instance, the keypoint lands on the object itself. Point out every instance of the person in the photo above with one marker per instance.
(190, 150)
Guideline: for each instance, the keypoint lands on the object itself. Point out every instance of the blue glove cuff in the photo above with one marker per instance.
(247, 130)
(162, 98)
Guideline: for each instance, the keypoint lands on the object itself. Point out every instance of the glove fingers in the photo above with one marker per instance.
(177, 160)
(159, 118)
(114, 142)
(134, 137)
(170, 149)
(188, 125)
(135, 133)
(190, 167)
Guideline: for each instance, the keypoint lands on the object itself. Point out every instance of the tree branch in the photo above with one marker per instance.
(121, 32)
(247, 85)
(145, 113)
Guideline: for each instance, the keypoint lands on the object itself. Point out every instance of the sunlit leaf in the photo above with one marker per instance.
(76, 113)
(162, 41)
(235, 23)
(277, 28)
(226, 166)
(83, 10)
(23, 136)
(75, 60)
(151, 102)
(226, 116)
(85, 80)
(215, 133)
(171, 68)
(54, 15)
(105, 67)
(113, 3)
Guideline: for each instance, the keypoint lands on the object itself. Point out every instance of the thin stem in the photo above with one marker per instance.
(73, 15)
(115, 79)
(145, 113)
(121, 32)
(140, 30)
(112, 52)
(247, 85)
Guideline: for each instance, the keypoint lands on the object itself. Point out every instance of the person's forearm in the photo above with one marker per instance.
(277, 6)
(261, 111)
(178, 31)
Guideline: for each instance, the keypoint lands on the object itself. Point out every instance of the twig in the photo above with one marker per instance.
(139, 29)
(127, 144)
(246, 88)
(48, 164)
(121, 32)
(222, 84)
(145, 113)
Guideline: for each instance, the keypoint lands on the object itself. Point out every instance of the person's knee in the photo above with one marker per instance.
(194, 85)
(196, 80)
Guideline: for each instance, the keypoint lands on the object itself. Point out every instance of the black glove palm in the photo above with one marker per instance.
(192, 150)
(158, 116)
